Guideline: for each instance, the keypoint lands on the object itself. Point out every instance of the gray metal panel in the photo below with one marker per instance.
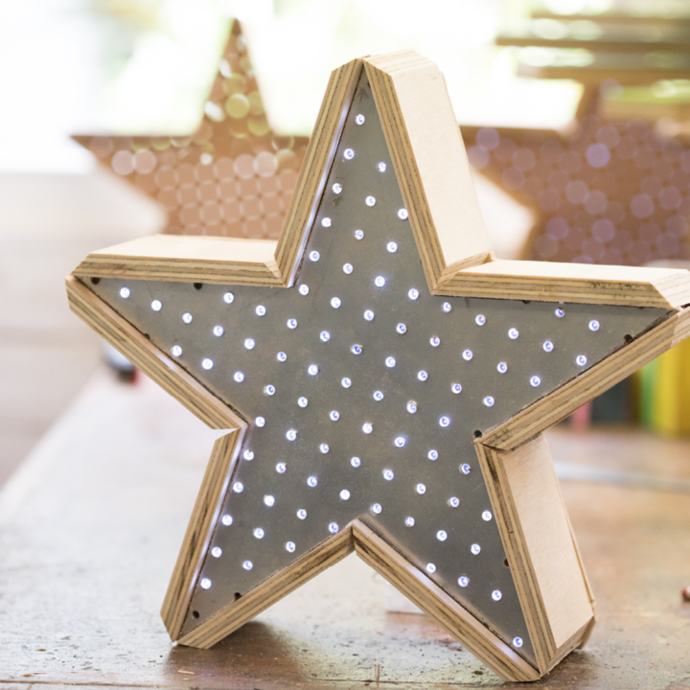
(388, 475)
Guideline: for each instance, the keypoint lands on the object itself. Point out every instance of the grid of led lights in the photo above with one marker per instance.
(364, 393)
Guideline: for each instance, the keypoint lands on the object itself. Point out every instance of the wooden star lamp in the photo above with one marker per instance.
(383, 380)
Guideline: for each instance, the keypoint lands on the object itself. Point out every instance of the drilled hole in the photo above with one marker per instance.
(628, 339)
(198, 286)
(195, 614)
(505, 563)
(477, 433)
(95, 281)
(237, 596)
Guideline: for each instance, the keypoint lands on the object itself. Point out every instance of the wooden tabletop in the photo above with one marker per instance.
(90, 528)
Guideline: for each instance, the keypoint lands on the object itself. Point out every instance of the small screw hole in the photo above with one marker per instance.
(237, 596)
(195, 614)
(505, 563)
(628, 339)
(198, 286)
(477, 433)
(95, 281)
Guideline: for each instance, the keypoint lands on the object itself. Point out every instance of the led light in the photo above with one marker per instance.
(290, 546)
(502, 367)
(216, 552)
(281, 357)
(379, 281)
(535, 381)
(388, 475)
(489, 401)
(370, 201)
(281, 467)
(496, 595)
(205, 583)
(367, 428)
(355, 461)
(581, 360)
(291, 434)
(422, 375)
(207, 363)
(337, 188)
(594, 325)
(369, 315)
(392, 247)
(381, 167)
(463, 580)
(326, 222)
(325, 336)
(156, 305)
(228, 298)
(430, 568)
(548, 346)
(218, 331)
(517, 642)
(359, 234)
(187, 317)
(456, 388)
(356, 349)
(248, 455)
(238, 487)
(324, 448)
(176, 350)
(259, 533)
(249, 343)
(432, 455)
(409, 521)
(247, 565)
(344, 495)
(378, 396)
(434, 341)
(446, 307)
(335, 303)
(333, 528)
(444, 421)
(125, 292)
(420, 489)
(513, 333)
(453, 501)
(312, 481)
(270, 390)
(302, 401)
(467, 355)
(313, 370)
(347, 268)
(314, 256)
(348, 154)
(269, 500)
(475, 549)
(411, 407)
(441, 535)
(346, 382)
(303, 289)
(260, 421)
(302, 514)
(559, 313)
(376, 508)
(413, 293)
(226, 520)
(486, 516)
(359, 119)
(260, 310)
(465, 468)
(399, 441)
(401, 328)
(334, 415)
(402, 214)
(390, 362)
(291, 324)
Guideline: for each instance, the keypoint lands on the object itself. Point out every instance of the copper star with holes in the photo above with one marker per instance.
(233, 177)
(607, 193)
(385, 382)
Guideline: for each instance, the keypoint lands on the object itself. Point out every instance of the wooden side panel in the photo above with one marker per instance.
(459, 622)
(430, 162)
(196, 539)
(152, 361)
(187, 259)
(236, 614)
(534, 526)
(317, 163)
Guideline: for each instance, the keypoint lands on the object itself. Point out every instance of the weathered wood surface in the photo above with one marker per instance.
(92, 524)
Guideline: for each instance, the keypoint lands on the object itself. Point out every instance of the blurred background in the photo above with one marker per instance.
(122, 118)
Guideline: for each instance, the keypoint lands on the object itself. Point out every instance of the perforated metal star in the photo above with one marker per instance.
(382, 403)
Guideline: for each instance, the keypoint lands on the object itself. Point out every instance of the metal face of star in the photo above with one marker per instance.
(380, 416)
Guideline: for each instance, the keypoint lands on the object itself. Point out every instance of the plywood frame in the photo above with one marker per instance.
(431, 166)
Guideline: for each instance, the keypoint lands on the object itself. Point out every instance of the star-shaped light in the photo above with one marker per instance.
(233, 177)
(386, 380)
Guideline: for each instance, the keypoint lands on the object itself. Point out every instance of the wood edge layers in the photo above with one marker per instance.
(551, 409)
(153, 362)
(198, 534)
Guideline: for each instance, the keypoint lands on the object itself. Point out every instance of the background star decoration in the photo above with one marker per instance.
(233, 177)
(369, 411)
